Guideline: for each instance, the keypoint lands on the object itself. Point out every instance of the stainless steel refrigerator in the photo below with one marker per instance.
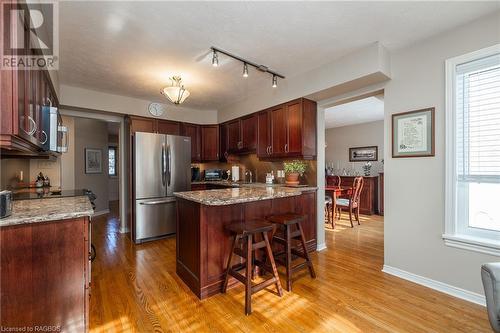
(162, 166)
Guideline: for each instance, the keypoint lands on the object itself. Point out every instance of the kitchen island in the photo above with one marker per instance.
(203, 244)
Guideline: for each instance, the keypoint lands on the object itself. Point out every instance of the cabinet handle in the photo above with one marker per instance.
(33, 129)
(286, 148)
(46, 138)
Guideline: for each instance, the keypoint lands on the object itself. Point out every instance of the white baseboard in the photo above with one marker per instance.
(321, 247)
(101, 212)
(436, 285)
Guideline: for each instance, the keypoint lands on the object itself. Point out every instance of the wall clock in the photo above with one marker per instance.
(156, 109)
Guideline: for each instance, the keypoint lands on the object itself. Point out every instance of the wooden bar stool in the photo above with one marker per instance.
(286, 222)
(246, 233)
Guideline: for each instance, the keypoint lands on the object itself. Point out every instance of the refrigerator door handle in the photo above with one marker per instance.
(158, 202)
(163, 164)
(169, 156)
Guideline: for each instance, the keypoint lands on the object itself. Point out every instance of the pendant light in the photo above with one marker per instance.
(215, 59)
(176, 93)
(275, 81)
(245, 70)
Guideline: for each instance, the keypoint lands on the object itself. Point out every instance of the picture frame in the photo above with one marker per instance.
(93, 160)
(413, 133)
(363, 154)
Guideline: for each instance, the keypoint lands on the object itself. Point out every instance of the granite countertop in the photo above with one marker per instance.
(230, 196)
(253, 185)
(42, 210)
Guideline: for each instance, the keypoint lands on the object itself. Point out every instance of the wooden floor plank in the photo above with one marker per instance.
(135, 289)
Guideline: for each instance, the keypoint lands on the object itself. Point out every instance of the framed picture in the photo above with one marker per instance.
(363, 154)
(93, 160)
(413, 133)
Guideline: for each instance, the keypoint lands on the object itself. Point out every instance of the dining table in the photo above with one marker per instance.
(335, 192)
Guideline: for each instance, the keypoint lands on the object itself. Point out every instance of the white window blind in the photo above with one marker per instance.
(472, 203)
(478, 120)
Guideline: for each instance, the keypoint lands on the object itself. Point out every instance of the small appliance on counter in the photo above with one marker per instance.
(213, 174)
(195, 174)
(235, 173)
(5, 203)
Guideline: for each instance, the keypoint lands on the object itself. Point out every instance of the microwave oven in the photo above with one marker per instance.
(55, 134)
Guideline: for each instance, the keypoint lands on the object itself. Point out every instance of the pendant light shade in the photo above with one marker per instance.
(275, 81)
(245, 70)
(176, 93)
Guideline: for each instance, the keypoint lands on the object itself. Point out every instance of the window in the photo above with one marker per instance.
(112, 155)
(473, 151)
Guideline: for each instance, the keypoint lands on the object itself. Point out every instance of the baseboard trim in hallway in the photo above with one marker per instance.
(436, 285)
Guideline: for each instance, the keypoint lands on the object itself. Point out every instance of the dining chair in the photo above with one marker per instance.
(332, 180)
(328, 209)
(351, 203)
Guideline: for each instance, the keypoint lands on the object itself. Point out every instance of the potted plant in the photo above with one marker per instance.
(294, 169)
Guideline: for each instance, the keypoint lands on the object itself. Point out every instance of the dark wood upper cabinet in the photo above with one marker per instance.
(294, 128)
(263, 135)
(234, 136)
(249, 134)
(223, 143)
(210, 143)
(287, 130)
(193, 131)
(168, 127)
(278, 130)
(141, 124)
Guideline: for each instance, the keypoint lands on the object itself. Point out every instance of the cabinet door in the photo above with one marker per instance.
(263, 137)
(142, 125)
(294, 128)
(306, 205)
(249, 133)
(193, 131)
(278, 131)
(210, 143)
(223, 143)
(168, 127)
(234, 136)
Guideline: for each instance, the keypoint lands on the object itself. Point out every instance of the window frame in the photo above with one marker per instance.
(115, 148)
(455, 234)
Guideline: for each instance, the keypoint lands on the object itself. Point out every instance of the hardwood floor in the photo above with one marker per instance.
(135, 288)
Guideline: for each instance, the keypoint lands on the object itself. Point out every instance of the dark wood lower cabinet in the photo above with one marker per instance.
(203, 244)
(44, 276)
(369, 193)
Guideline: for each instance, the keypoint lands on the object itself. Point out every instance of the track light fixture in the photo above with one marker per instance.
(245, 70)
(215, 59)
(246, 63)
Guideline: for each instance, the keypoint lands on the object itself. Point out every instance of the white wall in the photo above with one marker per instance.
(91, 133)
(414, 187)
(340, 139)
(74, 97)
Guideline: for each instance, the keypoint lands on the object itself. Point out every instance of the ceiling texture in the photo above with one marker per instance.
(132, 48)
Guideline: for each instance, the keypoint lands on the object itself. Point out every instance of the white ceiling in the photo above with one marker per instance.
(132, 48)
(356, 112)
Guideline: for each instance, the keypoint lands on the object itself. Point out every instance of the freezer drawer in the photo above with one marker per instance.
(154, 218)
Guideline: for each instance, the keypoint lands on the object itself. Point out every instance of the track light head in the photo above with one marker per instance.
(245, 70)
(275, 81)
(215, 59)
